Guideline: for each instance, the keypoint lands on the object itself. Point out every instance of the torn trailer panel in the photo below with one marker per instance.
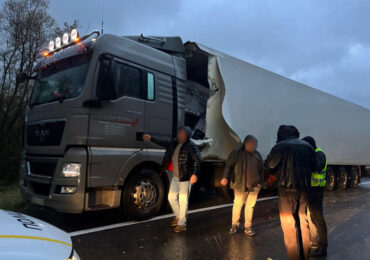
(246, 99)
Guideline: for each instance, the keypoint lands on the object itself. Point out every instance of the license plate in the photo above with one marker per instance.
(38, 201)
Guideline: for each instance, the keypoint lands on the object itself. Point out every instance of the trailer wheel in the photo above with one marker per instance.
(223, 191)
(143, 194)
(354, 177)
(342, 178)
(330, 179)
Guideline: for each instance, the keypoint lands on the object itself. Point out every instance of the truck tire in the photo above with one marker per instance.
(223, 191)
(330, 179)
(143, 194)
(354, 177)
(342, 178)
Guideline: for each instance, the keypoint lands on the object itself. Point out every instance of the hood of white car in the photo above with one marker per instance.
(25, 237)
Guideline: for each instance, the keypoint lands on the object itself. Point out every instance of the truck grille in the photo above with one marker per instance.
(46, 134)
(44, 169)
(41, 189)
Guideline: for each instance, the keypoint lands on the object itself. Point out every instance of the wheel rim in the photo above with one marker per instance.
(355, 177)
(331, 180)
(144, 195)
(343, 178)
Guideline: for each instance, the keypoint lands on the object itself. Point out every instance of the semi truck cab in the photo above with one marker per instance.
(92, 100)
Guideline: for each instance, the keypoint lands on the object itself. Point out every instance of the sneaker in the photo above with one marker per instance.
(249, 231)
(233, 229)
(179, 228)
(174, 222)
(318, 252)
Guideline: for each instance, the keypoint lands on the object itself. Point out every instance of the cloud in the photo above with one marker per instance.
(324, 44)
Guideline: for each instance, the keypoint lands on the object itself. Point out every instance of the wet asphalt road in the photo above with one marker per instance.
(347, 214)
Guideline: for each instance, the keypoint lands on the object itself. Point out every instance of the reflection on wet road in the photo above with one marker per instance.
(347, 214)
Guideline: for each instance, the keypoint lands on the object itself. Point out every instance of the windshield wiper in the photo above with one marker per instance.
(59, 98)
(35, 104)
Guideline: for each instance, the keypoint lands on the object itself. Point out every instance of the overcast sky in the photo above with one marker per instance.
(324, 44)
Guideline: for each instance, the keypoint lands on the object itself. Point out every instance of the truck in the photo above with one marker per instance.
(94, 96)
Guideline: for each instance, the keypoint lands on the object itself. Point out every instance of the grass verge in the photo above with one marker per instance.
(11, 199)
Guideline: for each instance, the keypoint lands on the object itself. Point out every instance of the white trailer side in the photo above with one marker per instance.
(256, 101)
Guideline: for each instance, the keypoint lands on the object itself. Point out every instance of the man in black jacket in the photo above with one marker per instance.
(293, 161)
(244, 169)
(183, 159)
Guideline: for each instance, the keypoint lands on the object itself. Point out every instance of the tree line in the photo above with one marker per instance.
(26, 27)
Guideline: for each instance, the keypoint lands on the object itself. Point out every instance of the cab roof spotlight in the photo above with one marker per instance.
(58, 42)
(51, 45)
(65, 38)
(74, 35)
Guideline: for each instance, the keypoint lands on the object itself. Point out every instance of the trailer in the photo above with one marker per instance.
(95, 96)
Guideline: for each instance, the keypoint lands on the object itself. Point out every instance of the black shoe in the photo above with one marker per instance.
(318, 252)
(233, 229)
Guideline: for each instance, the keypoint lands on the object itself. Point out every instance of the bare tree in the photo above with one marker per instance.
(25, 29)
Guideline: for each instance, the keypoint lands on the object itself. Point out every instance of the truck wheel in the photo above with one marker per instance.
(223, 191)
(354, 177)
(330, 179)
(143, 194)
(342, 178)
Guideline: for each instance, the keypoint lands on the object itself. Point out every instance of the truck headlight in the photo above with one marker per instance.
(71, 170)
(68, 189)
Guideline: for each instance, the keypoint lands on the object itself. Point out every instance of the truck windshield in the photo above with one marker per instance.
(61, 80)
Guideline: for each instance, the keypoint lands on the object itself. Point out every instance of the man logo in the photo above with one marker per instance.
(42, 133)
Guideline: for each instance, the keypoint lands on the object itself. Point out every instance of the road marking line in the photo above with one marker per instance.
(36, 238)
(129, 223)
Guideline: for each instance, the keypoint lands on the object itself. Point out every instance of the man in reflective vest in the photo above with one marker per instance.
(318, 230)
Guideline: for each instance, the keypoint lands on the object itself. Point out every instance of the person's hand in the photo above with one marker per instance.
(147, 137)
(193, 179)
(224, 181)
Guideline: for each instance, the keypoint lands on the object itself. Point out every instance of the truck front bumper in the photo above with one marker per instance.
(41, 183)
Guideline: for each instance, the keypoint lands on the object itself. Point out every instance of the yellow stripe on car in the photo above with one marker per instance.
(37, 238)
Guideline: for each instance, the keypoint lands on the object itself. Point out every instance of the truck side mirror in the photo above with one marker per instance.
(21, 77)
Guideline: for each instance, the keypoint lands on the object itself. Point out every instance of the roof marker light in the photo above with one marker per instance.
(58, 42)
(51, 45)
(45, 53)
(65, 38)
(74, 35)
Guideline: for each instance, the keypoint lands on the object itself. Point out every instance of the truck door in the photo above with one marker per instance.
(115, 125)
(159, 105)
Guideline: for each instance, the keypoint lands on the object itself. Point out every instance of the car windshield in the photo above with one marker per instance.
(61, 80)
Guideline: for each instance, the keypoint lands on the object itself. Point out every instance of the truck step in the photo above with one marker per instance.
(100, 206)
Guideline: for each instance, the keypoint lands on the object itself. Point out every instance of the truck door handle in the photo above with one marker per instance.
(139, 136)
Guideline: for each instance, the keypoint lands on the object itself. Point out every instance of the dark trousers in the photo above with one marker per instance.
(293, 218)
(318, 230)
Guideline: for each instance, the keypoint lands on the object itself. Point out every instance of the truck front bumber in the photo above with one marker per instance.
(41, 181)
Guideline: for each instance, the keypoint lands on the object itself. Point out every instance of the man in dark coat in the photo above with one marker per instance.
(183, 160)
(293, 161)
(245, 171)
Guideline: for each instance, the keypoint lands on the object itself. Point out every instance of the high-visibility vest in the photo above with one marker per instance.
(319, 179)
